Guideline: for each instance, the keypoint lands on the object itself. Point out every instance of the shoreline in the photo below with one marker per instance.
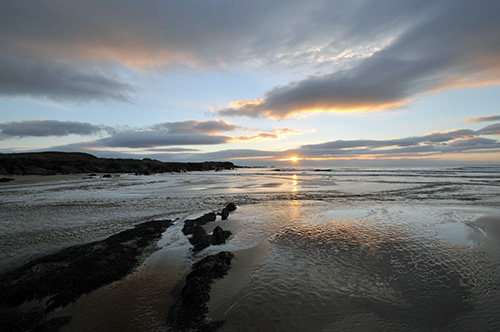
(53, 163)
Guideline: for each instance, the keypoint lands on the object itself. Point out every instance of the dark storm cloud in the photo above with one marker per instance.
(40, 128)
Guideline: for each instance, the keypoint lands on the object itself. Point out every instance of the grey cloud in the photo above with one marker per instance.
(460, 140)
(401, 142)
(203, 34)
(474, 142)
(493, 129)
(207, 32)
(148, 139)
(21, 76)
(193, 126)
(446, 46)
(39, 128)
(436, 144)
(172, 150)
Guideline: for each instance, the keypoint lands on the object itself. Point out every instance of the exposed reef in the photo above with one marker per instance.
(51, 163)
(189, 312)
(58, 279)
(199, 237)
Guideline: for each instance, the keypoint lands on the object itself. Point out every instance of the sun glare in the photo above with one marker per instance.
(294, 159)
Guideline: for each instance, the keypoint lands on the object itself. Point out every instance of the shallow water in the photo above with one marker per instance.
(331, 250)
(381, 271)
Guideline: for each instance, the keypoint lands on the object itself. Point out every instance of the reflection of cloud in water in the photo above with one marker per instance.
(386, 270)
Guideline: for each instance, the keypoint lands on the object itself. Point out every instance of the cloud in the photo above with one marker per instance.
(194, 126)
(195, 33)
(437, 145)
(444, 47)
(40, 128)
(181, 133)
(493, 129)
(148, 139)
(278, 133)
(364, 54)
(172, 150)
(484, 118)
(434, 144)
(20, 76)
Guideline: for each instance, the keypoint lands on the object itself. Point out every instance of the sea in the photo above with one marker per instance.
(329, 249)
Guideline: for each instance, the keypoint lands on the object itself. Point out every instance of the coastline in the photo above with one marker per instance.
(53, 163)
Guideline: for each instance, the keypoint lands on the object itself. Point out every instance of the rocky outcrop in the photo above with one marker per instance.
(189, 311)
(199, 237)
(60, 278)
(49, 163)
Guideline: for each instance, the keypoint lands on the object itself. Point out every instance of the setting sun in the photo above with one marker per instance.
(294, 159)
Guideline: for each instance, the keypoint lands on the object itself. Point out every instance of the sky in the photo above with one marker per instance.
(315, 82)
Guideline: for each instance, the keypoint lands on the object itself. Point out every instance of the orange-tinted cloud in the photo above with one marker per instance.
(483, 118)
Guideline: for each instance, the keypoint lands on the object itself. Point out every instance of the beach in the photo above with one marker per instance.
(348, 249)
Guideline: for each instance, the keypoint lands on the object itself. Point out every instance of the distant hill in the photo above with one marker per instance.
(49, 163)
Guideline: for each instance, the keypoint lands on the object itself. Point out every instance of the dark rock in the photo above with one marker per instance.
(189, 312)
(224, 213)
(190, 224)
(6, 179)
(200, 239)
(219, 236)
(60, 278)
(106, 176)
(92, 174)
(231, 207)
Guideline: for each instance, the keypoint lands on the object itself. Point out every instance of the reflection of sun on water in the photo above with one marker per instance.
(294, 181)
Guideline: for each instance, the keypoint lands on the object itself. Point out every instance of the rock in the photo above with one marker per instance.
(231, 207)
(219, 236)
(200, 239)
(106, 176)
(6, 179)
(57, 279)
(189, 312)
(190, 224)
(224, 213)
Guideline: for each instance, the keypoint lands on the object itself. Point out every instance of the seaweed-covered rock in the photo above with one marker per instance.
(189, 312)
(190, 224)
(224, 214)
(231, 207)
(219, 236)
(200, 239)
(60, 278)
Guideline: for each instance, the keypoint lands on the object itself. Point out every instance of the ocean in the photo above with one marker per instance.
(330, 249)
